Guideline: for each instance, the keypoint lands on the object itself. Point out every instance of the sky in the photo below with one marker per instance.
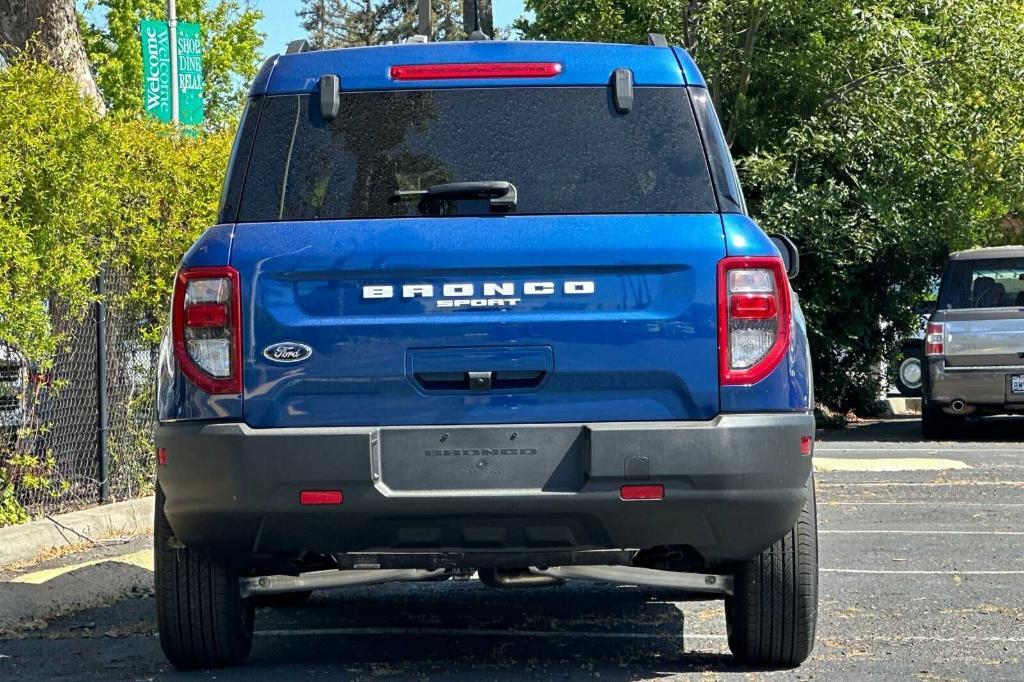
(282, 26)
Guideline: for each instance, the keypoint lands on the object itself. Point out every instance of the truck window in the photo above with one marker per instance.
(983, 283)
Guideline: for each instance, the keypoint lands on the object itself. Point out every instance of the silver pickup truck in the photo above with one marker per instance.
(975, 340)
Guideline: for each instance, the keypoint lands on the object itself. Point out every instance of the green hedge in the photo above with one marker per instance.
(78, 192)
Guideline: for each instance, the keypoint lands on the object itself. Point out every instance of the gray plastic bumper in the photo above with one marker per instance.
(733, 485)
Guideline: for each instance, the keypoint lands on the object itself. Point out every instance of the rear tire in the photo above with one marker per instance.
(202, 618)
(772, 615)
(937, 425)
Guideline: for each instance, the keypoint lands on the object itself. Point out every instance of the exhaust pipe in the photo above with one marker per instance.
(958, 406)
(318, 580)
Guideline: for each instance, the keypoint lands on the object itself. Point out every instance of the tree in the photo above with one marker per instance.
(317, 21)
(348, 23)
(48, 30)
(879, 138)
(231, 51)
(486, 16)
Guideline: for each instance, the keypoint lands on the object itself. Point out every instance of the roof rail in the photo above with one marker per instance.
(297, 46)
(657, 40)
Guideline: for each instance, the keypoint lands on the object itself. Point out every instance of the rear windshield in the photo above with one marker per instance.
(566, 150)
(989, 283)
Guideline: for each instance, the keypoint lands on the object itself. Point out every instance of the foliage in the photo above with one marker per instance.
(878, 136)
(348, 23)
(10, 511)
(79, 193)
(231, 51)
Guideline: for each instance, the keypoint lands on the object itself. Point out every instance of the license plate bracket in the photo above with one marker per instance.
(466, 459)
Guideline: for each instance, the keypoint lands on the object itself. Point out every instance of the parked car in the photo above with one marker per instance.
(908, 369)
(14, 383)
(975, 340)
(484, 308)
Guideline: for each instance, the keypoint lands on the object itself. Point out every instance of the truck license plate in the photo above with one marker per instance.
(1017, 383)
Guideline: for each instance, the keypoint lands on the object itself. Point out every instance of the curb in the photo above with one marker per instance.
(902, 407)
(25, 542)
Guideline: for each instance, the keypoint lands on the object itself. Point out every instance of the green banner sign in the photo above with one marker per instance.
(156, 71)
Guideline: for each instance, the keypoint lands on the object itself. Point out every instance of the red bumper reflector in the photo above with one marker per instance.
(161, 456)
(433, 72)
(805, 445)
(320, 497)
(642, 492)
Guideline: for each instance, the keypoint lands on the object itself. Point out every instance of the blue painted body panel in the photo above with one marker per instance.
(643, 346)
(789, 387)
(367, 68)
(691, 73)
(178, 398)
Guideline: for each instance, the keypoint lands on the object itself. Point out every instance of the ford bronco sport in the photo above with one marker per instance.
(489, 308)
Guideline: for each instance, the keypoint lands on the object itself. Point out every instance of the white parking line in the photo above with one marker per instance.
(998, 448)
(920, 532)
(471, 633)
(872, 571)
(886, 464)
(928, 484)
(936, 503)
(330, 632)
(880, 638)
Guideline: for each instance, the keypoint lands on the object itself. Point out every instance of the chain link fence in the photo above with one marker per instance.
(58, 453)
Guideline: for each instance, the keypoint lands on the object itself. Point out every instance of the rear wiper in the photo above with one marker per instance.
(502, 195)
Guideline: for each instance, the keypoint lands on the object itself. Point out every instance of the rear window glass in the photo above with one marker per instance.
(989, 283)
(566, 150)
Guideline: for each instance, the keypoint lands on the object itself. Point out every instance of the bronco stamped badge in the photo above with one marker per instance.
(287, 351)
(468, 295)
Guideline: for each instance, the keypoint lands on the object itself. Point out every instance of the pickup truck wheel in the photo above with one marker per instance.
(772, 615)
(202, 618)
(937, 425)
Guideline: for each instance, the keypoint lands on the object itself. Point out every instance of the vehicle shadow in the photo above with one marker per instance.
(466, 630)
(1002, 429)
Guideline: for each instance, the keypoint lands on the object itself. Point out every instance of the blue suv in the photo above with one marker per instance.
(489, 308)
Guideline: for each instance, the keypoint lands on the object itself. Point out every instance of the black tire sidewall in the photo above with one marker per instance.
(202, 619)
(748, 611)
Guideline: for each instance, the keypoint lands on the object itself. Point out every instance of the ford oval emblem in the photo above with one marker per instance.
(287, 351)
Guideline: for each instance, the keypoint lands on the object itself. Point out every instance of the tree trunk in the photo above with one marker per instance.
(48, 30)
(486, 17)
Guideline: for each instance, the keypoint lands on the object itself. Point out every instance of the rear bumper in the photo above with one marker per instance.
(977, 387)
(733, 485)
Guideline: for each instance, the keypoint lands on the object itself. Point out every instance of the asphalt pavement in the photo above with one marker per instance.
(922, 577)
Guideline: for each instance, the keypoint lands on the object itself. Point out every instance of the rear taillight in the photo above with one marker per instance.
(473, 71)
(754, 318)
(206, 326)
(934, 343)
